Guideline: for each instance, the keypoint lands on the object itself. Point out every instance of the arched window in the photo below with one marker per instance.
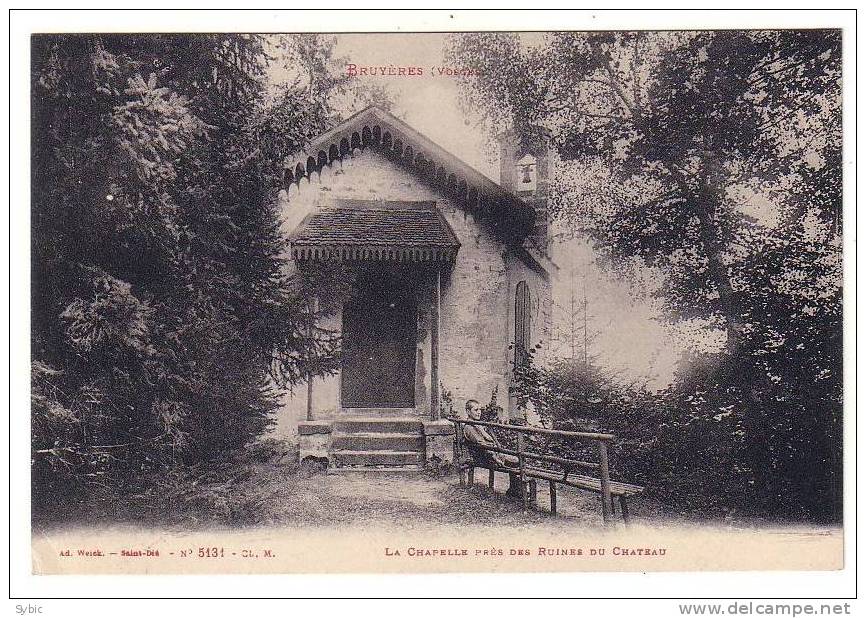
(522, 323)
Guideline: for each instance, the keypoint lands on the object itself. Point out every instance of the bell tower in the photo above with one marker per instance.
(524, 169)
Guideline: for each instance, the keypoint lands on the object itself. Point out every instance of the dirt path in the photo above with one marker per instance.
(412, 499)
(348, 522)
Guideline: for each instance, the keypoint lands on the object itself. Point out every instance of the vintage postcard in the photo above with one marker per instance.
(432, 302)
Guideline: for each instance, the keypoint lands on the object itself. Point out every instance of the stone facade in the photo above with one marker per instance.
(477, 297)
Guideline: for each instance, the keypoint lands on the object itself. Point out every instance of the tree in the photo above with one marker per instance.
(683, 120)
(716, 159)
(573, 331)
(162, 312)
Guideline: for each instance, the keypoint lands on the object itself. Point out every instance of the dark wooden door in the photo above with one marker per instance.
(379, 338)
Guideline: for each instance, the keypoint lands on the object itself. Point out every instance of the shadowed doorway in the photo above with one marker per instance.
(379, 342)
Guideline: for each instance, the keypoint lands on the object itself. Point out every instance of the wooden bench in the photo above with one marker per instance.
(470, 455)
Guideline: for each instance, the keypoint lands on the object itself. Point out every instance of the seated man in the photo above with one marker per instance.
(478, 435)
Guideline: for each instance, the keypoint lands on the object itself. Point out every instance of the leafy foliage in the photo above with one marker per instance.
(713, 158)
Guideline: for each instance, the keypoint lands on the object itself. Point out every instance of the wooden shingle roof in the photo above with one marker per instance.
(375, 230)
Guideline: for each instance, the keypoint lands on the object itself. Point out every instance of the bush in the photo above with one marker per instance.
(717, 442)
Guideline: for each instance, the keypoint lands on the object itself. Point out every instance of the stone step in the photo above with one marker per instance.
(378, 425)
(387, 459)
(384, 413)
(376, 441)
(416, 469)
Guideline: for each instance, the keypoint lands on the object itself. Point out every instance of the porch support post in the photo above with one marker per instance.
(313, 307)
(310, 397)
(435, 306)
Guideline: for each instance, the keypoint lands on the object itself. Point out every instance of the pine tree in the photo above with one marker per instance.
(161, 308)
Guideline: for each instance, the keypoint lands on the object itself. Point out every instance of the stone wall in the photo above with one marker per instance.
(474, 319)
(438, 442)
(540, 315)
(314, 440)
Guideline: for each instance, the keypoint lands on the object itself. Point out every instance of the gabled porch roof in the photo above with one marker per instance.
(375, 230)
